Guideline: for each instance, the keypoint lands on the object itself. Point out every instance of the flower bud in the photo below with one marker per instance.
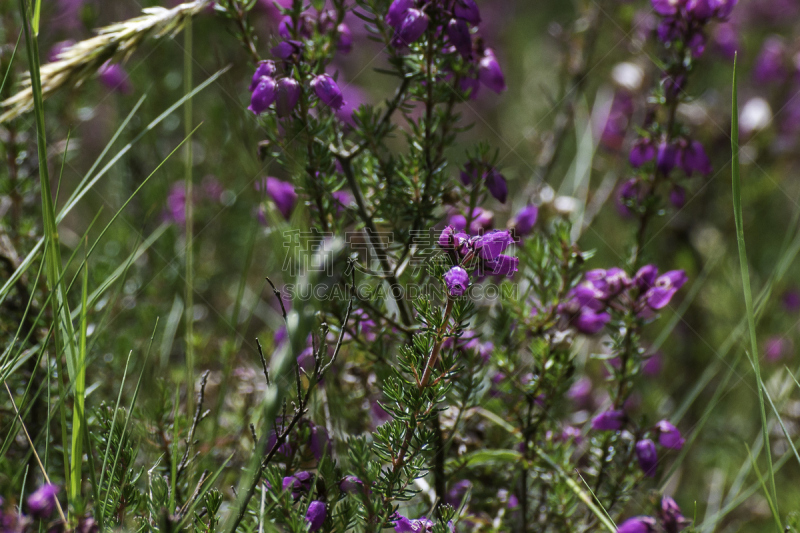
(287, 95)
(327, 91)
(490, 73)
(460, 38)
(457, 280)
(263, 96)
(414, 25)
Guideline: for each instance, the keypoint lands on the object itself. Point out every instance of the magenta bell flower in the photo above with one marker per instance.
(526, 219)
(491, 245)
(669, 436)
(647, 456)
(642, 152)
(694, 159)
(671, 517)
(397, 12)
(457, 280)
(264, 69)
(460, 38)
(503, 265)
(283, 194)
(345, 42)
(319, 442)
(414, 25)
(677, 196)
(590, 322)
(490, 73)
(316, 515)
(609, 420)
(297, 483)
(497, 186)
(286, 49)
(664, 288)
(666, 158)
(667, 7)
(405, 525)
(638, 524)
(263, 95)
(467, 10)
(328, 92)
(352, 485)
(115, 78)
(286, 96)
(42, 502)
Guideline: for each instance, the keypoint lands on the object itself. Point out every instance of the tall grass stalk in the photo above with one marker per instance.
(189, 207)
(748, 297)
(64, 333)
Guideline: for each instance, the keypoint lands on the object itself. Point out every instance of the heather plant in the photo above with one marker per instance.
(339, 299)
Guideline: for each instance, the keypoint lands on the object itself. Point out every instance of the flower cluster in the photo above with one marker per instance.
(669, 516)
(589, 303)
(285, 91)
(665, 432)
(410, 19)
(484, 252)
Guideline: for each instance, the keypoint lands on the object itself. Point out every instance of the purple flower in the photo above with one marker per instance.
(646, 277)
(669, 436)
(609, 420)
(352, 485)
(286, 49)
(414, 25)
(297, 483)
(457, 280)
(694, 159)
(642, 152)
(590, 322)
(677, 196)
(58, 48)
(791, 300)
(667, 7)
(176, 203)
(666, 158)
(286, 97)
(697, 44)
(671, 517)
(265, 69)
(327, 91)
(467, 10)
(652, 366)
(397, 12)
(723, 8)
(770, 61)
(490, 73)
(497, 186)
(114, 77)
(457, 492)
(43, 501)
(263, 95)
(503, 265)
(491, 245)
(638, 524)
(282, 193)
(319, 442)
(647, 456)
(700, 9)
(404, 525)
(581, 391)
(664, 288)
(526, 219)
(628, 194)
(460, 38)
(345, 42)
(775, 348)
(315, 515)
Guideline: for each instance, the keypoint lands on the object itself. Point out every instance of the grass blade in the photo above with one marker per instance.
(748, 297)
